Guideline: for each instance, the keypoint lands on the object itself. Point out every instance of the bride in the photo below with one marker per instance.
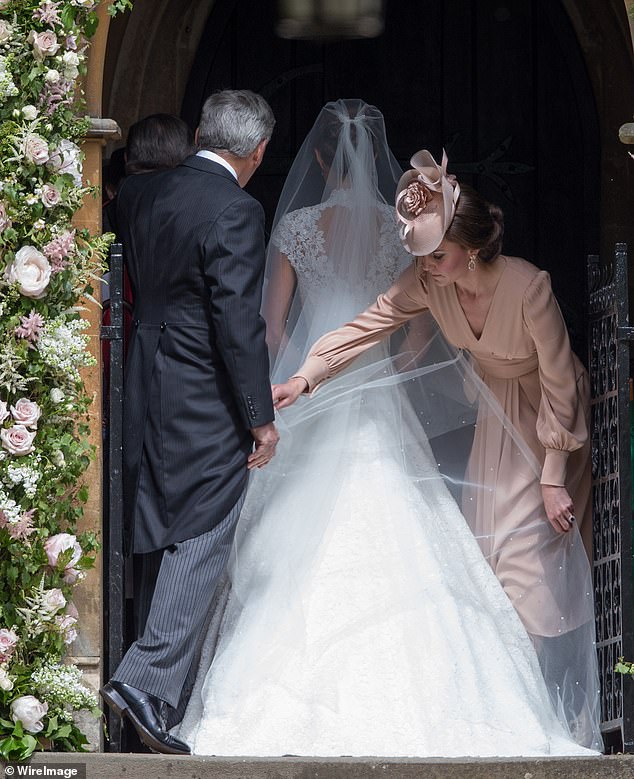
(362, 618)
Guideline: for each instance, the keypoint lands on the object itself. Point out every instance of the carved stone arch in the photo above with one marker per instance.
(149, 57)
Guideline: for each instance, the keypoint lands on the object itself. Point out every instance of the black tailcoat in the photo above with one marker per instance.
(197, 371)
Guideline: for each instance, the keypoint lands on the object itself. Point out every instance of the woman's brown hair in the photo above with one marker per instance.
(477, 224)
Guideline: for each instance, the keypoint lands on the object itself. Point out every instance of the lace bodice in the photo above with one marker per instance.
(301, 237)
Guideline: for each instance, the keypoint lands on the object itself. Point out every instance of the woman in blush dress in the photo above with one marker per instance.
(363, 618)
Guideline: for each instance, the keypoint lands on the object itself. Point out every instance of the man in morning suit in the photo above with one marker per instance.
(198, 411)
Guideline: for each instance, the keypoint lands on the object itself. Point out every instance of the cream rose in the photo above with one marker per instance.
(26, 412)
(50, 196)
(17, 440)
(29, 112)
(36, 149)
(65, 158)
(4, 411)
(71, 61)
(31, 271)
(6, 682)
(52, 76)
(5, 31)
(59, 543)
(4, 219)
(44, 44)
(56, 395)
(29, 711)
(52, 601)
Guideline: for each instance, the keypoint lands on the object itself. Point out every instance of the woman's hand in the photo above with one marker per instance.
(559, 508)
(286, 394)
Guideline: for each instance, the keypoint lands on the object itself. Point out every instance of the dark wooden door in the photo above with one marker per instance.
(501, 84)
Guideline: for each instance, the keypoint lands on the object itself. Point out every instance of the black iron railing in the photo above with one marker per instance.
(609, 364)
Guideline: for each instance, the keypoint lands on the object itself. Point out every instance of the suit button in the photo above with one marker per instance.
(163, 325)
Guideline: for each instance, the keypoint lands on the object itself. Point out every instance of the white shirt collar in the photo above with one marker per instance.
(210, 155)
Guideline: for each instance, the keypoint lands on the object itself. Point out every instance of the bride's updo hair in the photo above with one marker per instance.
(330, 132)
(477, 224)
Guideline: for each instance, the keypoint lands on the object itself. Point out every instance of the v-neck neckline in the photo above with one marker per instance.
(478, 338)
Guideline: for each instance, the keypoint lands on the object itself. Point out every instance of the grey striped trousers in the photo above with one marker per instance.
(162, 660)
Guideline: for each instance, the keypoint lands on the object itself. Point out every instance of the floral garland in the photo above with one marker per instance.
(46, 267)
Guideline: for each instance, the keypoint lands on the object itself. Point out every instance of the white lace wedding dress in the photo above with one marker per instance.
(363, 618)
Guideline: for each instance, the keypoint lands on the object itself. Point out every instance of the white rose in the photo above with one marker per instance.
(29, 711)
(31, 271)
(83, 3)
(17, 440)
(52, 601)
(59, 543)
(29, 112)
(50, 196)
(58, 459)
(44, 44)
(56, 395)
(5, 31)
(4, 411)
(36, 149)
(4, 219)
(65, 158)
(6, 683)
(52, 76)
(71, 61)
(26, 412)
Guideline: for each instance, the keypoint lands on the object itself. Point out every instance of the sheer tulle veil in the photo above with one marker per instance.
(411, 392)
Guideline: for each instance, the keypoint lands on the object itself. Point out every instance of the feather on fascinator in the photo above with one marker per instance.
(425, 203)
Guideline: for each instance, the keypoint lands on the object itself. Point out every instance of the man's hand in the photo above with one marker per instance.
(559, 507)
(266, 438)
(286, 394)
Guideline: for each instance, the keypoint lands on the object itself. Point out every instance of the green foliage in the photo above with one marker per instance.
(47, 268)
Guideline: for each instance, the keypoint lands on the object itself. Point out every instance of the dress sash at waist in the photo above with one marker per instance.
(500, 368)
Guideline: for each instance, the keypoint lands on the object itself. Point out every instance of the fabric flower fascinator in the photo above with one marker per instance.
(425, 203)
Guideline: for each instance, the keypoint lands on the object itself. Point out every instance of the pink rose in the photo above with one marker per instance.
(4, 412)
(50, 196)
(17, 440)
(31, 271)
(66, 626)
(8, 642)
(5, 222)
(59, 543)
(29, 711)
(44, 44)
(26, 412)
(52, 601)
(36, 149)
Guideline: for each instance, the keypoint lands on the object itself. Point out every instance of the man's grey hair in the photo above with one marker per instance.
(235, 121)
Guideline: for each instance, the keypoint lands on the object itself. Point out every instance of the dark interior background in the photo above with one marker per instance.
(502, 86)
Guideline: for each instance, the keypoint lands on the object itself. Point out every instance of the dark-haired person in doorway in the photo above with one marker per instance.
(197, 404)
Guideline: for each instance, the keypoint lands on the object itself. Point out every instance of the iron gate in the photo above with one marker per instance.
(609, 364)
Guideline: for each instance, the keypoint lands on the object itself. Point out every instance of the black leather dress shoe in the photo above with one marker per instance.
(142, 709)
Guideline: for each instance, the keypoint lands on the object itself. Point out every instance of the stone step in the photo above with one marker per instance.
(145, 766)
